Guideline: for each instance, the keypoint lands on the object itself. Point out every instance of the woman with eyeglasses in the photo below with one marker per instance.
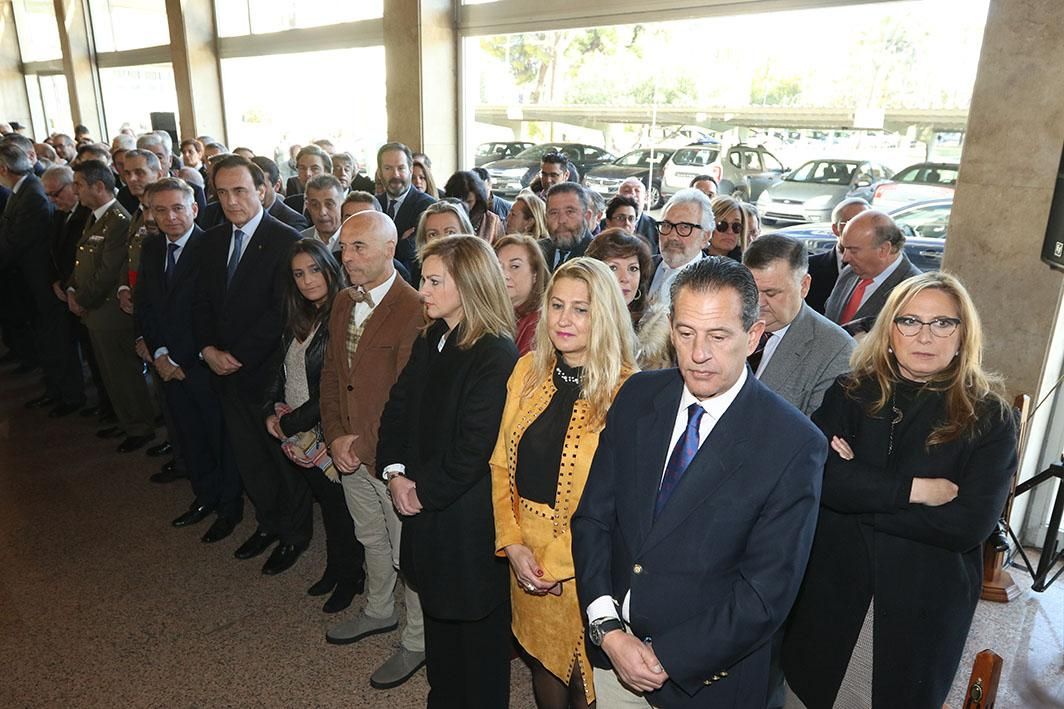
(729, 229)
(923, 449)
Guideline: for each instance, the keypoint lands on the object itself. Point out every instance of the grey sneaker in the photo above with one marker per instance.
(399, 668)
(361, 626)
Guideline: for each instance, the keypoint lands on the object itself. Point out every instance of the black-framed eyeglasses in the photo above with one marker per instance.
(940, 327)
(681, 228)
(736, 227)
(56, 193)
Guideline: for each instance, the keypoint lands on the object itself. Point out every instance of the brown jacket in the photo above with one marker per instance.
(353, 396)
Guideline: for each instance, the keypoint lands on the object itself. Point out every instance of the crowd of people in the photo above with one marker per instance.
(670, 462)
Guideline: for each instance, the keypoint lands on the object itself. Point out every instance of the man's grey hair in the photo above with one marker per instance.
(60, 173)
(886, 230)
(123, 142)
(150, 140)
(15, 158)
(150, 158)
(325, 182)
(715, 273)
(836, 213)
(165, 137)
(690, 195)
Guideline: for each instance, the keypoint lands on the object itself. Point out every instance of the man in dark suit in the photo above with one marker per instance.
(568, 211)
(400, 200)
(310, 162)
(633, 188)
(24, 247)
(801, 352)
(824, 267)
(677, 538)
(872, 248)
(165, 297)
(213, 215)
(92, 296)
(238, 319)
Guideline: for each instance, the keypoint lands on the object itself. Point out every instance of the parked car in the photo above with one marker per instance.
(917, 183)
(810, 193)
(510, 176)
(743, 171)
(606, 179)
(499, 150)
(924, 224)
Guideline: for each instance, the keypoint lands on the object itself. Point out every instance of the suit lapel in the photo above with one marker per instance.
(184, 261)
(719, 458)
(653, 434)
(790, 351)
(253, 253)
(378, 318)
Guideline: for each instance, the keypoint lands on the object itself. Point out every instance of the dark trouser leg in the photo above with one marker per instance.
(103, 401)
(345, 557)
(468, 662)
(281, 498)
(162, 402)
(58, 355)
(123, 373)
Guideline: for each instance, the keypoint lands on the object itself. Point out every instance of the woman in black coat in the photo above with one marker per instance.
(291, 408)
(923, 451)
(437, 434)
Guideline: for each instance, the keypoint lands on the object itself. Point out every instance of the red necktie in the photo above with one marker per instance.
(855, 301)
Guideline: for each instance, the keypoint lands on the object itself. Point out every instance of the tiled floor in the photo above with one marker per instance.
(104, 604)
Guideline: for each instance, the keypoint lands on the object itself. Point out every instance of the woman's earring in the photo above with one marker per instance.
(890, 349)
(638, 294)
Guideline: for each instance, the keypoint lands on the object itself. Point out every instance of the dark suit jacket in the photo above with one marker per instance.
(164, 312)
(824, 271)
(546, 245)
(293, 186)
(441, 422)
(296, 202)
(836, 302)
(353, 394)
(710, 582)
(246, 318)
(66, 232)
(25, 225)
(363, 183)
(406, 219)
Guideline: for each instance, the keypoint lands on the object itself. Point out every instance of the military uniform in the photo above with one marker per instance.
(99, 268)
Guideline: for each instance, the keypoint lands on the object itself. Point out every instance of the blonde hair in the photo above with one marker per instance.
(965, 383)
(610, 355)
(486, 307)
(721, 206)
(538, 209)
(430, 181)
(441, 207)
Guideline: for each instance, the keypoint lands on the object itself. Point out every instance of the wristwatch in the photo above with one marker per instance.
(598, 628)
(389, 474)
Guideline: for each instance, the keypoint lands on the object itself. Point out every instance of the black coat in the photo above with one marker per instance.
(922, 564)
(308, 414)
(164, 311)
(406, 219)
(25, 226)
(824, 271)
(441, 421)
(547, 246)
(66, 232)
(245, 319)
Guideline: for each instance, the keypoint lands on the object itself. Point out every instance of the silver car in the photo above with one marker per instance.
(809, 193)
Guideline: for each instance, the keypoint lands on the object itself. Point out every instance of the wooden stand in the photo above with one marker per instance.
(998, 585)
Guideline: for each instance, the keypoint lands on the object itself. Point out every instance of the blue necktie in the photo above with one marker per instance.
(682, 454)
(171, 262)
(234, 259)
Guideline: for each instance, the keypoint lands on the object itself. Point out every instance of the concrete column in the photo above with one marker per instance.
(197, 74)
(1008, 172)
(12, 85)
(79, 65)
(421, 60)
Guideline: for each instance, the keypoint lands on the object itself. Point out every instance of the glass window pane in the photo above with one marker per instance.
(56, 102)
(132, 93)
(38, 33)
(268, 122)
(33, 90)
(118, 25)
(241, 17)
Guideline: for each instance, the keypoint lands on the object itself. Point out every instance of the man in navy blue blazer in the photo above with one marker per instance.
(695, 526)
(170, 263)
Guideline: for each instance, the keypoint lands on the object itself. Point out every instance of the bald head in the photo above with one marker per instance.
(870, 243)
(846, 210)
(367, 247)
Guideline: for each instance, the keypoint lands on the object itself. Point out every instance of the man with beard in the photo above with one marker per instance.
(399, 200)
(684, 231)
(568, 211)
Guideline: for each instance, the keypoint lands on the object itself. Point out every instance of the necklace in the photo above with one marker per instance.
(567, 378)
(898, 416)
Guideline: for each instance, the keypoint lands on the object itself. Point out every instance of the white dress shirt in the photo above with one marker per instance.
(770, 348)
(603, 606)
(878, 280)
(362, 310)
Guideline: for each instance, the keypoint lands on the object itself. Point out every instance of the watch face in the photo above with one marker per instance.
(595, 632)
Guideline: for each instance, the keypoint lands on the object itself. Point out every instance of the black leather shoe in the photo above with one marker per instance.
(195, 514)
(257, 543)
(282, 558)
(41, 402)
(109, 432)
(108, 417)
(25, 368)
(343, 595)
(323, 585)
(162, 449)
(91, 411)
(134, 443)
(219, 530)
(168, 474)
(63, 410)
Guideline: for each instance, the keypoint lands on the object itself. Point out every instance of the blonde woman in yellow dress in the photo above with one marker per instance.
(556, 404)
